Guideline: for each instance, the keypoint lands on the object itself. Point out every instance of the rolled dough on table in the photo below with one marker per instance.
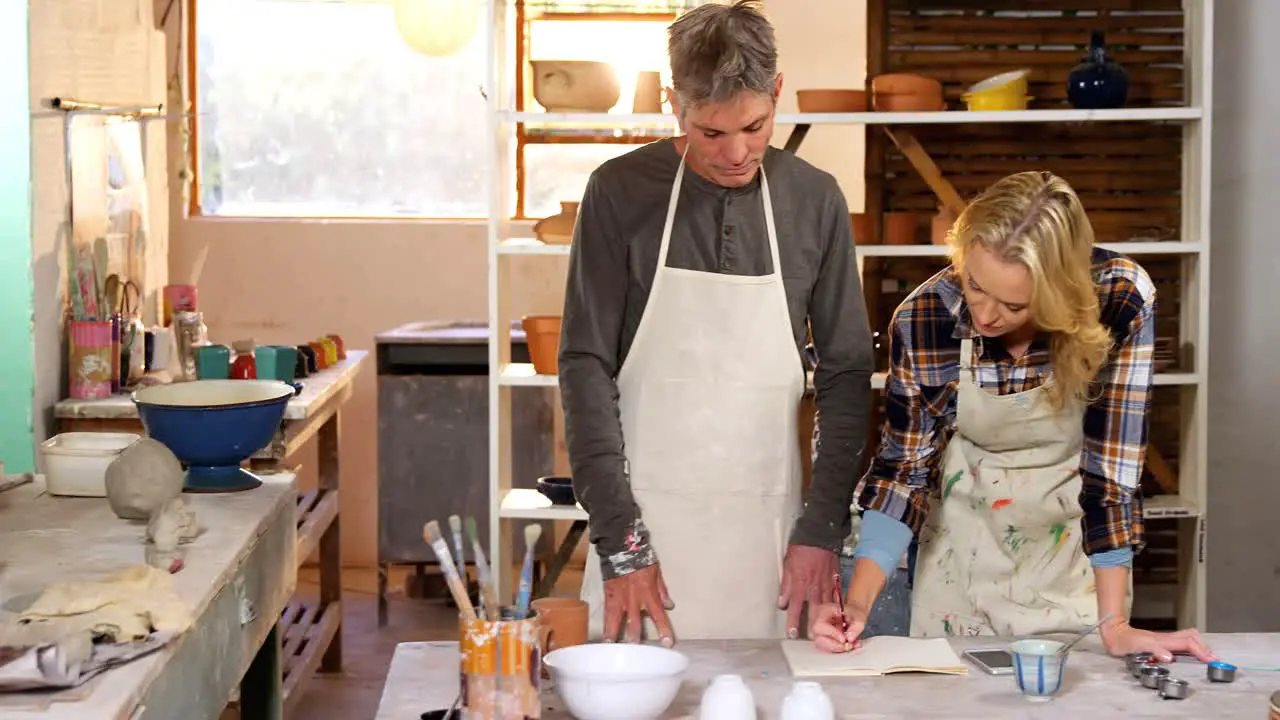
(879, 655)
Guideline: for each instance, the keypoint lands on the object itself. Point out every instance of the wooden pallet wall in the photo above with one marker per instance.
(1128, 174)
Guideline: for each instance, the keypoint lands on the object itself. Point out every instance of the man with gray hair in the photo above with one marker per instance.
(700, 266)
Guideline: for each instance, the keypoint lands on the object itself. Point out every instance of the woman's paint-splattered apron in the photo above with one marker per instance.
(1001, 552)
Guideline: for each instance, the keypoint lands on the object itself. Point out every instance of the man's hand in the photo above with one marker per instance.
(808, 575)
(631, 594)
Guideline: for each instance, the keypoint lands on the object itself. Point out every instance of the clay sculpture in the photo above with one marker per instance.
(142, 478)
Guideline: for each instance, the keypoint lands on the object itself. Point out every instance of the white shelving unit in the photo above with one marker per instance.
(503, 245)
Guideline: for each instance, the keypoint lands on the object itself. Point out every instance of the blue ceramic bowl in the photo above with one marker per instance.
(213, 426)
(1038, 667)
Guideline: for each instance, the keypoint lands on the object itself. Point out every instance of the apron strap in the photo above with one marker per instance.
(671, 211)
(967, 366)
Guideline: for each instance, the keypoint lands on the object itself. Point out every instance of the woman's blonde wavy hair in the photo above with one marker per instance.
(1036, 219)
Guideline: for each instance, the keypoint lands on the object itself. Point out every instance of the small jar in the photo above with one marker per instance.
(244, 367)
(727, 698)
(807, 701)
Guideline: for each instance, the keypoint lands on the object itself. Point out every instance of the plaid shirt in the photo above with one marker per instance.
(920, 408)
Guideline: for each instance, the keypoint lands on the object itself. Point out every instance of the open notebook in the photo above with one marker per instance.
(879, 655)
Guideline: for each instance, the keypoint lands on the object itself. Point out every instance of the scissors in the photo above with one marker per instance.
(117, 295)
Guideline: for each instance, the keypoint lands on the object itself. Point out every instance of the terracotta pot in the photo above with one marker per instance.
(542, 332)
(564, 619)
(558, 229)
(862, 229)
(908, 102)
(575, 85)
(942, 222)
(905, 84)
(901, 228)
(831, 101)
(905, 92)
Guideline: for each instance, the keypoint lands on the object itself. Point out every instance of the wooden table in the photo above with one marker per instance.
(424, 676)
(238, 576)
(311, 632)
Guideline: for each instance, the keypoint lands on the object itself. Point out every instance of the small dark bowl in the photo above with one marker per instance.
(557, 489)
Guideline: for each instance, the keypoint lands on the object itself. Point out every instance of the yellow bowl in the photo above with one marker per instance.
(1006, 91)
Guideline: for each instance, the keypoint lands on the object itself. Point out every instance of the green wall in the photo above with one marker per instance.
(17, 343)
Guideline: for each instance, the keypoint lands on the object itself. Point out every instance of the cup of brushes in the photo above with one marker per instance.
(500, 648)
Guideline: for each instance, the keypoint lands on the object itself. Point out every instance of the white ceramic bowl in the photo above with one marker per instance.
(1038, 667)
(617, 681)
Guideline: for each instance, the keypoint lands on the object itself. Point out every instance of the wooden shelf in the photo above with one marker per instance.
(1137, 247)
(525, 504)
(631, 121)
(305, 633)
(316, 512)
(532, 246)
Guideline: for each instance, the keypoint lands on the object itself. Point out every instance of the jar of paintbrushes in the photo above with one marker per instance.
(500, 647)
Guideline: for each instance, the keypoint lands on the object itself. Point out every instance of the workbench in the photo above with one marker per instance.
(237, 578)
(424, 676)
(311, 632)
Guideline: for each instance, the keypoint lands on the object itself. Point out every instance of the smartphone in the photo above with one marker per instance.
(992, 661)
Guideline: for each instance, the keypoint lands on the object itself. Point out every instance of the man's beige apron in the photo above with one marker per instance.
(1001, 552)
(708, 398)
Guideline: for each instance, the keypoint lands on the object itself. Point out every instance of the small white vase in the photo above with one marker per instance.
(807, 701)
(727, 698)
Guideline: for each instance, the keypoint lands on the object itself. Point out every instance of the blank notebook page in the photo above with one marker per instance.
(879, 655)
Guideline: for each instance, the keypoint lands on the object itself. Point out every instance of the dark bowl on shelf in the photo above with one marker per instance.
(557, 489)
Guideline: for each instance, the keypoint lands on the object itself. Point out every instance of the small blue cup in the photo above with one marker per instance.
(1038, 667)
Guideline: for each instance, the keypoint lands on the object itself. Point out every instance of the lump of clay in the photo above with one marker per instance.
(142, 478)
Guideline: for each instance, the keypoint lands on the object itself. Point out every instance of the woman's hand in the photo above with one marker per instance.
(824, 628)
(1121, 638)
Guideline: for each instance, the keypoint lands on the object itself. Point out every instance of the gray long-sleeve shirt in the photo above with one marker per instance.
(611, 268)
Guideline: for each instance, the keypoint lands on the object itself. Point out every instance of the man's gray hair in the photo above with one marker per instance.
(718, 50)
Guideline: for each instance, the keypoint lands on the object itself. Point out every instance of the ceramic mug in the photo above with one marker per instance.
(213, 362)
(308, 353)
(264, 362)
(286, 363)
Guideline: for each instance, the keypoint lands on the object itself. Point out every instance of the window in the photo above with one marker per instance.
(317, 108)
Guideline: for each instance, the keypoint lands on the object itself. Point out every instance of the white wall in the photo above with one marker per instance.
(1243, 540)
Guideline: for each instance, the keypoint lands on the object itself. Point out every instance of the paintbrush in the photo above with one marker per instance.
(488, 595)
(531, 535)
(455, 524)
(431, 533)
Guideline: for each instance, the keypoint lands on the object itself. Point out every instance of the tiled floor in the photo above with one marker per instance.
(354, 693)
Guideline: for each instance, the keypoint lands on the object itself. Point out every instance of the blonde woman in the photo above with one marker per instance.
(1016, 426)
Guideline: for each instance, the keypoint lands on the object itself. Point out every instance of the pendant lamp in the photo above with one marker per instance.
(438, 27)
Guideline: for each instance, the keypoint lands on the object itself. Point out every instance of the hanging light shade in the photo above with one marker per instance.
(438, 27)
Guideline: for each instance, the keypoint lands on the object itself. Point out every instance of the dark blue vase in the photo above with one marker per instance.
(1098, 83)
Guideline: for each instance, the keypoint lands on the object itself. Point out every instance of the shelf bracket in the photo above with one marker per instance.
(927, 168)
(797, 136)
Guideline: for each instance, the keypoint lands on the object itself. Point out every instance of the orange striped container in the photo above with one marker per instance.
(501, 669)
